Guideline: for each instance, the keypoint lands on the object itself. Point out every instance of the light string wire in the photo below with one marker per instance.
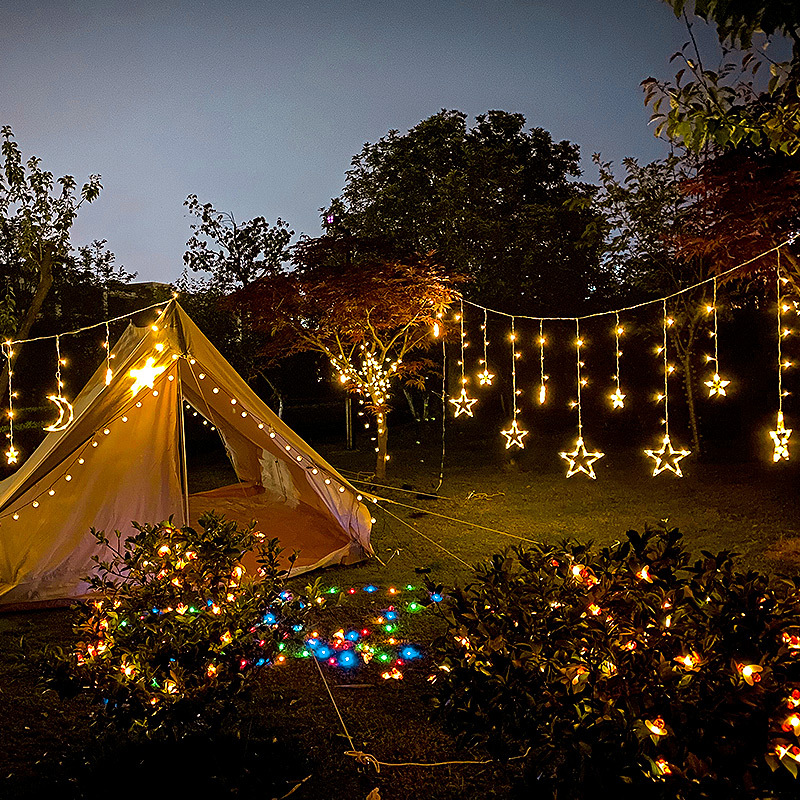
(716, 338)
(790, 240)
(461, 322)
(485, 376)
(514, 368)
(59, 382)
(780, 336)
(666, 372)
(12, 453)
(578, 362)
(542, 376)
(87, 327)
(109, 373)
(617, 398)
(367, 758)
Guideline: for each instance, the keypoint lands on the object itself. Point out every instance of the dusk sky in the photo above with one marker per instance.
(258, 107)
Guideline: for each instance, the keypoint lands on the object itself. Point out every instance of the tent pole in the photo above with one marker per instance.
(184, 472)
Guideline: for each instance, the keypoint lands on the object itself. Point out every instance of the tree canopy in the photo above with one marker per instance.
(494, 201)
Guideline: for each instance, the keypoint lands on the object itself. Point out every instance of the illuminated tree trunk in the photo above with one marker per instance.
(383, 438)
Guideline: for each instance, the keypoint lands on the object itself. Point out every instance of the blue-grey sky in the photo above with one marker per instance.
(258, 107)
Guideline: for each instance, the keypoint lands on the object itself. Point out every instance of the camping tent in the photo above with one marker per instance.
(122, 458)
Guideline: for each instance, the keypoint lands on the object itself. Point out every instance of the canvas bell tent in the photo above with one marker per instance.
(122, 458)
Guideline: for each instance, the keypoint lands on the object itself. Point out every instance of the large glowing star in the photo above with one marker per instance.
(65, 413)
(667, 458)
(145, 376)
(581, 460)
(514, 436)
(463, 404)
(780, 440)
(617, 399)
(716, 386)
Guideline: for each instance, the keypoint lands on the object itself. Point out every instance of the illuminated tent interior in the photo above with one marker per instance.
(123, 458)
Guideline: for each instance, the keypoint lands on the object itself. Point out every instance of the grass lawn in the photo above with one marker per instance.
(290, 732)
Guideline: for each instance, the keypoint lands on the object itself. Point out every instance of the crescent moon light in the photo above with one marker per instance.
(64, 413)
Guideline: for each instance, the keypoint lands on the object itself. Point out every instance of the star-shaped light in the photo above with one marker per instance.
(485, 378)
(145, 376)
(12, 455)
(514, 436)
(617, 399)
(462, 403)
(780, 439)
(581, 460)
(716, 386)
(667, 457)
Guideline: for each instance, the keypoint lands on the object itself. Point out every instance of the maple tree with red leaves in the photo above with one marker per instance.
(741, 206)
(371, 315)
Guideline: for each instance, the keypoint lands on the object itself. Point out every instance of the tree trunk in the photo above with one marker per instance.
(383, 437)
(410, 401)
(688, 388)
(45, 282)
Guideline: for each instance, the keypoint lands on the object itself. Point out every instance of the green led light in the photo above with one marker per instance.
(409, 588)
(389, 628)
(383, 657)
(332, 590)
(281, 646)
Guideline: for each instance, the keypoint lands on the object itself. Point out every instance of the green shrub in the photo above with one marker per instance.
(177, 627)
(627, 669)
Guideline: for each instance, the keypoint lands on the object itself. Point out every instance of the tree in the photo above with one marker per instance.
(726, 107)
(231, 256)
(370, 316)
(35, 223)
(645, 214)
(494, 202)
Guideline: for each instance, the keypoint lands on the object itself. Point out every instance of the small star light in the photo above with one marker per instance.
(581, 460)
(145, 376)
(463, 404)
(667, 457)
(716, 386)
(780, 439)
(514, 436)
(618, 399)
(485, 378)
(12, 455)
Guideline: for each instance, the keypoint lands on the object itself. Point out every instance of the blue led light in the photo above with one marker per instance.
(312, 642)
(322, 652)
(352, 636)
(270, 618)
(370, 589)
(347, 658)
(390, 615)
(261, 662)
(297, 627)
(436, 597)
(408, 653)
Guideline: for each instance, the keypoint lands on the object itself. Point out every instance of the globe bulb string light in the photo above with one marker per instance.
(716, 385)
(514, 435)
(617, 398)
(65, 411)
(463, 403)
(780, 436)
(667, 457)
(542, 376)
(580, 459)
(485, 377)
(11, 454)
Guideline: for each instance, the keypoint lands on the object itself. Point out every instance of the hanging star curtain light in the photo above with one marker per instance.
(485, 377)
(514, 434)
(463, 404)
(580, 459)
(65, 412)
(12, 454)
(716, 385)
(780, 436)
(617, 398)
(542, 376)
(668, 457)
